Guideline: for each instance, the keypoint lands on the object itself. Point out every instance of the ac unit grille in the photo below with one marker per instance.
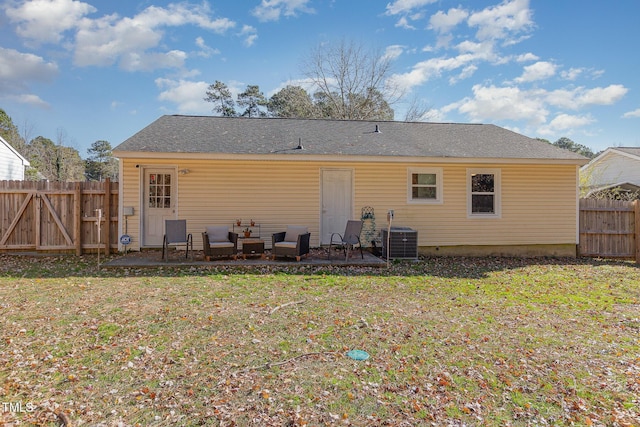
(403, 243)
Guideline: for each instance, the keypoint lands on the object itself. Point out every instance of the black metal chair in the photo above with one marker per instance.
(175, 234)
(349, 239)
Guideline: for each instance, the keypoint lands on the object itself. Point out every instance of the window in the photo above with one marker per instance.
(159, 190)
(425, 185)
(483, 192)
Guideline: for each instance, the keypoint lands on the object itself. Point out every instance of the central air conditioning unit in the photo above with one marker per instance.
(402, 241)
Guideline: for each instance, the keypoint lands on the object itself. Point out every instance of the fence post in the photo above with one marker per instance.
(636, 211)
(77, 213)
(107, 215)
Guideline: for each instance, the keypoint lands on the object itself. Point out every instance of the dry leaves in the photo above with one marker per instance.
(452, 341)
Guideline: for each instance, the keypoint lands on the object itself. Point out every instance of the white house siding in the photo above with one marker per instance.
(539, 204)
(612, 168)
(11, 163)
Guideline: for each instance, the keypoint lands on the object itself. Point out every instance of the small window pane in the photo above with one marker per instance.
(167, 202)
(424, 192)
(424, 179)
(482, 183)
(482, 203)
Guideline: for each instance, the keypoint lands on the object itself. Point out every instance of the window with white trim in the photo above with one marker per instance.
(425, 185)
(483, 193)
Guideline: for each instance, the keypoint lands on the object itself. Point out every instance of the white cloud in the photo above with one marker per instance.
(393, 52)
(426, 70)
(483, 50)
(271, 10)
(601, 95)
(541, 70)
(492, 103)
(18, 70)
(498, 22)
(445, 22)
(632, 114)
(250, 35)
(466, 73)
(105, 41)
(432, 68)
(187, 95)
(28, 99)
(527, 57)
(151, 61)
(580, 97)
(565, 122)
(404, 23)
(205, 51)
(46, 20)
(572, 73)
(406, 6)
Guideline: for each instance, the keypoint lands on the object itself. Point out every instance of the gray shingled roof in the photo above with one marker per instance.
(231, 135)
(635, 151)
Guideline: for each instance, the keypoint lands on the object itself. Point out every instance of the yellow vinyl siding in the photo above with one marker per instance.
(538, 201)
(130, 196)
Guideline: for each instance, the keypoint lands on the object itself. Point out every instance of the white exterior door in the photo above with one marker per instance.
(337, 202)
(159, 203)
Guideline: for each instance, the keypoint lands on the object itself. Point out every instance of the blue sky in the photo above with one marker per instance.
(81, 71)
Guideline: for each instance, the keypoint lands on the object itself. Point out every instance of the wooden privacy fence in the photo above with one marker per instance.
(58, 216)
(610, 229)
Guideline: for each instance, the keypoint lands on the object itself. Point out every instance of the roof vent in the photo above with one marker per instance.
(377, 130)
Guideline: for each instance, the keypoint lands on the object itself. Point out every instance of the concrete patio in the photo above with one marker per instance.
(316, 257)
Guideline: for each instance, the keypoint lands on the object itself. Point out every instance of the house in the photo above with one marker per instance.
(465, 188)
(615, 167)
(12, 164)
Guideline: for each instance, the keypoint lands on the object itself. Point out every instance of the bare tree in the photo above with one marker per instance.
(351, 82)
(417, 111)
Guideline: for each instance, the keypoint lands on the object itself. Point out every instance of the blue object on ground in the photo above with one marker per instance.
(358, 354)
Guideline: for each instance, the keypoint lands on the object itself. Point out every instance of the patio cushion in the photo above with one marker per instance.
(291, 245)
(226, 244)
(218, 233)
(293, 231)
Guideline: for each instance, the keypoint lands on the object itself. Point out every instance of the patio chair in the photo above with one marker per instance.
(218, 241)
(349, 239)
(291, 243)
(176, 235)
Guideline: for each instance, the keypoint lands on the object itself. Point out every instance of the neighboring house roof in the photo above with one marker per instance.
(263, 136)
(633, 151)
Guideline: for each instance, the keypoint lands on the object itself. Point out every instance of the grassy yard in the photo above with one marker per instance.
(452, 342)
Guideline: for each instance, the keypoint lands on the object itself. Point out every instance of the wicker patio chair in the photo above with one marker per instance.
(291, 243)
(349, 239)
(219, 242)
(176, 235)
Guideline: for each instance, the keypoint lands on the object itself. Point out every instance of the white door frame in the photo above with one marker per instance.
(172, 211)
(347, 212)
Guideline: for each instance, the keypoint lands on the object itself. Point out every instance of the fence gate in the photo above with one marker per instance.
(610, 229)
(56, 216)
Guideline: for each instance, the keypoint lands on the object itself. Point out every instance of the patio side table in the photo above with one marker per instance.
(252, 247)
